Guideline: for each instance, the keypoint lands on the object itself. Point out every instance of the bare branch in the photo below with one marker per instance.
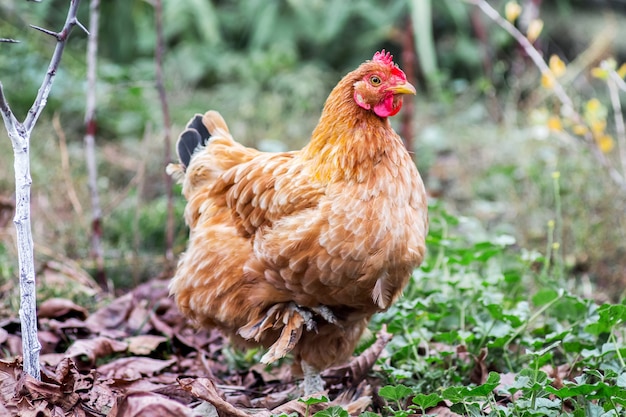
(169, 225)
(7, 114)
(82, 27)
(90, 145)
(620, 130)
(44, 90)
(8, 40)
(19, 133)
(47, 32)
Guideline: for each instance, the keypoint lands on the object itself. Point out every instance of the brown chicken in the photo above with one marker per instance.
(295, 251)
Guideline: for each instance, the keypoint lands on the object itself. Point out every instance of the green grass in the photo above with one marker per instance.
(488, 330)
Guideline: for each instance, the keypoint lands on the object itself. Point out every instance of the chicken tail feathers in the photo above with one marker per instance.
(206, 149)
(195, 135)
(199, 130)
(188, 142)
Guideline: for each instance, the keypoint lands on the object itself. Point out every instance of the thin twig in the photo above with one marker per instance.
(19, 134)
(408, 59)
(169, 225)
(82, 27)
(47, 32)
(90, 145)
(141, 183)
(7, 114)
(620, 130)
(8, 40)
(46, 85)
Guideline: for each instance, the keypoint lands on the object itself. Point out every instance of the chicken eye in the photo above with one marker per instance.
(375, 80)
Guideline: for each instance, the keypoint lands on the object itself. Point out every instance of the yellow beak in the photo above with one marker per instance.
(406, 88)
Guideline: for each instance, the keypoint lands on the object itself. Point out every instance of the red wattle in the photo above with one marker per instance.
(386, 109)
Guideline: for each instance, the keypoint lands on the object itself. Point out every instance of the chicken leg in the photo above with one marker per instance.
(313, 382)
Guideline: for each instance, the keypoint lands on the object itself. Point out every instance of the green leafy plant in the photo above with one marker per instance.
(469, 334)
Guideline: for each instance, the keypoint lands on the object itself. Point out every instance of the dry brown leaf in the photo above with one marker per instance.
(355, 400)
(358, 406)
(4, 335)
(49, 341)
(12, 344)
(148, 404)
(4, 411)
(273, 400)
(358, 368)
(70, 325)
(480, 373)
(133, 368)
(51, 359)
(60, 307)
(161, 326)
(51, 393)
(558, 374)
(298, 407)
(26, 408)
(95, 348)
(10, 372)
(441, 411)
(156, 289)
(139, 318)
(100, 399)
(113, 315)
(205, 389)
(144, 344)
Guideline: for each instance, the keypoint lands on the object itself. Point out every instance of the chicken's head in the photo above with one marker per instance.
(381, 85)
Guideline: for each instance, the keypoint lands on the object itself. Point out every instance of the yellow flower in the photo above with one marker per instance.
(554, 124)
(599, 73)
(547, 80)
(580, 130)
(605, 143)
(593, 105)
(512, 10)
(557, 66)
(622, 70)
(598, 127)
(534, 29)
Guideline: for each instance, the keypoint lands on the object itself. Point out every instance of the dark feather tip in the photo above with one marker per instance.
(196, 123)
(188, 142)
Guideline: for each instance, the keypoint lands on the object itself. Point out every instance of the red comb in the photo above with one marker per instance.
(383, 57)
(387, 59)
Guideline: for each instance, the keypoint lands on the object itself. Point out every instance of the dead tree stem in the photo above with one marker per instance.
(19, 134)
(90, 144)
(167, 126)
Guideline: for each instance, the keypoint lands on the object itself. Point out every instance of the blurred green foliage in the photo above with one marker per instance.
(291, 49)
